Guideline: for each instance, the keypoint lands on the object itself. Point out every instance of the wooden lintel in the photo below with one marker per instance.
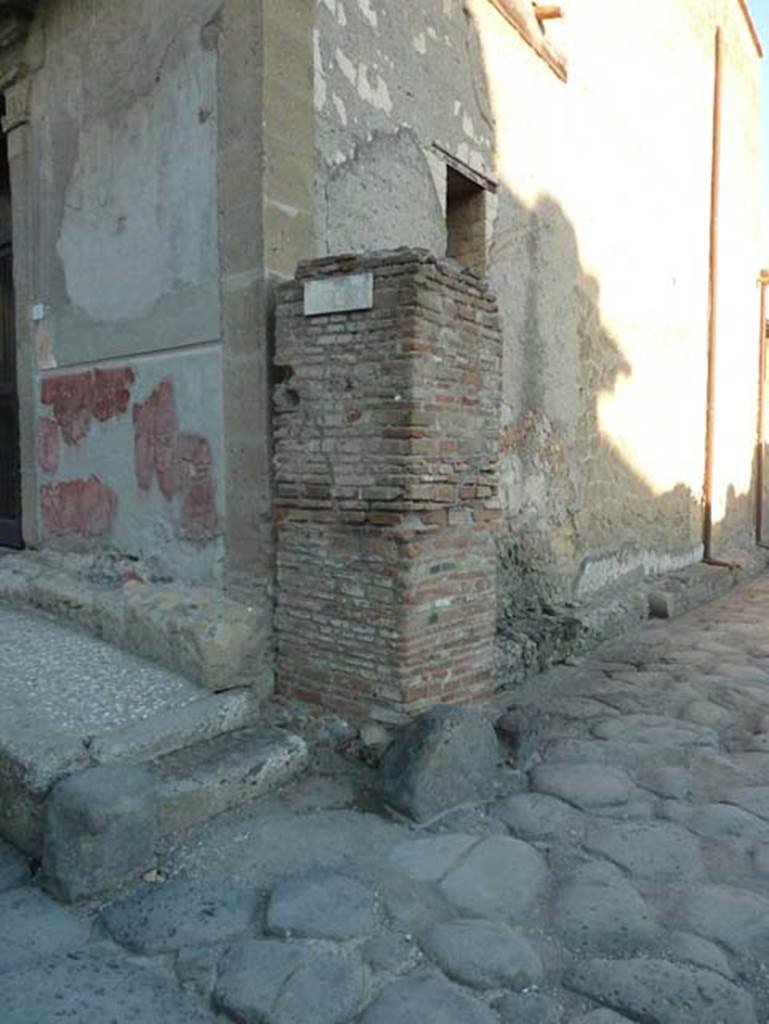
(546, 12)
(524, 22)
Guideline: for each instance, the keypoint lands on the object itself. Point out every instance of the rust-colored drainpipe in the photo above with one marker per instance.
(763, 280)
(715, 182)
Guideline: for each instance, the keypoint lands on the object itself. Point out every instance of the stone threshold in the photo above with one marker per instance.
(215, 639)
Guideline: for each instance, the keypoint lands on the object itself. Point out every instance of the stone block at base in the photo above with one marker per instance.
(100, 830)
(444, 758)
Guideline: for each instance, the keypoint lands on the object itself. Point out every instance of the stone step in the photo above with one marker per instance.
(101, 824)
(204, 780)
(70, 702)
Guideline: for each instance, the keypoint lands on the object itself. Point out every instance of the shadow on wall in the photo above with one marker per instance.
(579, 515)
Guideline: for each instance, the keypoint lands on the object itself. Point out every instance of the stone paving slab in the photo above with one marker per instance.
(164, 918)
(617, 871)
(93, 988)
(32, 927)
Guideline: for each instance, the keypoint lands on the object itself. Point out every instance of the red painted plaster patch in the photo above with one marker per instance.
(181, 463)
(79, 397)
(111, 392)
(47, 444)
(144, 443)
(71, 397)
(82, 508)
(195, 481)
(155, 440)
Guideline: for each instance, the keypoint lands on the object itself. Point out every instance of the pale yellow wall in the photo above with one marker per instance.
(599, 251)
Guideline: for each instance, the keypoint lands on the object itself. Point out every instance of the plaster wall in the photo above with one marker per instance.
(124, 276)
(598, 252)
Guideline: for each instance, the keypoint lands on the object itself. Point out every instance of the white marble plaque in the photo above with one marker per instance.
(339, 294)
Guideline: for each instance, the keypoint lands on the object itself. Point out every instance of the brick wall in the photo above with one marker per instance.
(386, 442)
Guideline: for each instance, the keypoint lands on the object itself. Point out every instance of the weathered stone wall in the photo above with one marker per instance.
(386, 437)
(597, 249)
(122, 286)
(161, 164)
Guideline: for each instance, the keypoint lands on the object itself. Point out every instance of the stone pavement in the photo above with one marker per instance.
(617, 871)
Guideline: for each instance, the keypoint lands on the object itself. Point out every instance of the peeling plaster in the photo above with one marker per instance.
(368, 12)
(320, 87)
(347, 67)
(340, 109)
(376, 94)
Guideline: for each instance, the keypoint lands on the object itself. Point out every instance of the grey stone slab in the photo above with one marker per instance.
(166, 917)
(445, 757)
(620, 753)
(201, 781)
(429, 858)
(410, 905)
(655, 990)
(650, 851)
(735, 918)
(321, 906)
(178, 727)
(657, 730)
(691, 949)
(95, 988)
(266, 981)
(483, 954)
(718, 821)
(586, 785)
(602, 1017)
(529, 1008)
(33, 926)
(423, 999)
(100, 830)
(667, 781)
(753, 799)
(499, 878)
(271, 841)
(598, 911)
(706, 712)
(14, 868)
(389, 952)
(539, 816)
(197, 968)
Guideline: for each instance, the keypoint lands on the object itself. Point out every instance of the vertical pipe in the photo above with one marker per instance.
(715, 180)
(760, 426)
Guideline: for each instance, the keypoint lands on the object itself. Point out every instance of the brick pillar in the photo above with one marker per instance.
(386, 449)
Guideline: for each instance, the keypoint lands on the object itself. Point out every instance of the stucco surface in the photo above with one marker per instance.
(118, 280)
(127, 151)
(598, 253)
(180, 158)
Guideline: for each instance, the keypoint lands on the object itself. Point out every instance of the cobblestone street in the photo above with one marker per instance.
(619, 871)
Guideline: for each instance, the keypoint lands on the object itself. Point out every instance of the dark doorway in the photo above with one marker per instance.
(466, 221)
(10, 469)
